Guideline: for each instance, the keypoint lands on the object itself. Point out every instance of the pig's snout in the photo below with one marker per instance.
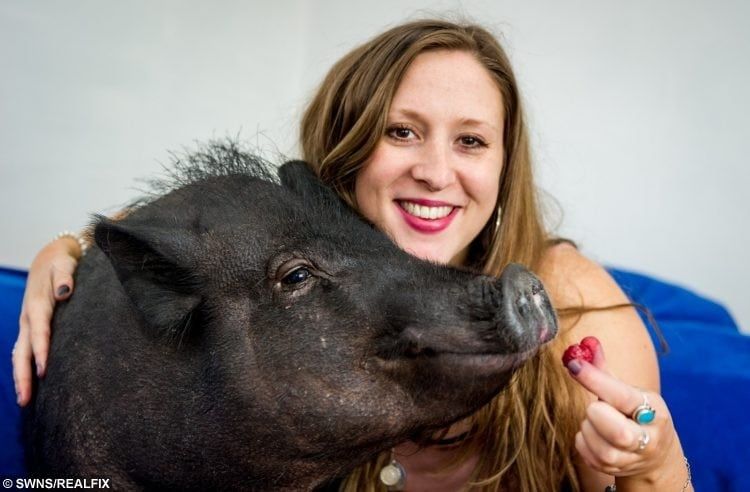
(528, 310)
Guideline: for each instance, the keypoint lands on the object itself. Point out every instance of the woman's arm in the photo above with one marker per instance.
(607, 443)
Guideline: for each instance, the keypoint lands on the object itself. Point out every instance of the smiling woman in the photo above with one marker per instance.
(437, 167)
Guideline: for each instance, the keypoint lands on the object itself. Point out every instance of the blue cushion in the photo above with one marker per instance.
(705, 377)
(12, 283)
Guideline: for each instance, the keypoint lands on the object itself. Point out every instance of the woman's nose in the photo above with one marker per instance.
(433, 167)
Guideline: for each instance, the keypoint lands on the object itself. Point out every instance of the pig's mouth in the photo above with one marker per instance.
(481, 363)
(477, 363)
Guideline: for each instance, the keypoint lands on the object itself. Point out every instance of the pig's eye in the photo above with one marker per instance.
(296, 276)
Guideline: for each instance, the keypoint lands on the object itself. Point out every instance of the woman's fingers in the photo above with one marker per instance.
(28, 349)
(62, 278)
(601, 455)
(606, 387)
(614, 444)
(622, 400)
(613, 427)
(21, 358)
(50, 280)
(39, 309)
(40, 318)
(610, 440)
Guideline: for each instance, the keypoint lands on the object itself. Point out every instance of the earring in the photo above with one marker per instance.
(498, 220)
(393, 475)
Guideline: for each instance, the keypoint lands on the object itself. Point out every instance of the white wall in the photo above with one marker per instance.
(639, 111)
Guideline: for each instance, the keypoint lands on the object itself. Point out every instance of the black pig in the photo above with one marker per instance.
(238, 333)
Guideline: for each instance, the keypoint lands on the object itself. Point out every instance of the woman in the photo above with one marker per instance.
(421, 130)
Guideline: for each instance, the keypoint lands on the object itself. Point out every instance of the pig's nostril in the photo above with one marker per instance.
(536, 288)
(523, 306)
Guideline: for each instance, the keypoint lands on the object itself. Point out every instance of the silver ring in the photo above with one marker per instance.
(643, 440)
(643, 413)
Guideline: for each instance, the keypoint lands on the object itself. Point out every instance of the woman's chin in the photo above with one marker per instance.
(436, 254)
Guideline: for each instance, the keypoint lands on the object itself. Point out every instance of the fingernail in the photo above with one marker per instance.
(39, 370)
(574, 366)
(64, 289)
(18, 398)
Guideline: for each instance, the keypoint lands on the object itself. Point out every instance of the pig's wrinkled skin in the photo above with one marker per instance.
(239, 334)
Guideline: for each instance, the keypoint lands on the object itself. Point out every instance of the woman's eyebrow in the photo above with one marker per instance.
(419, 118)
(408, 113)
(475, 122)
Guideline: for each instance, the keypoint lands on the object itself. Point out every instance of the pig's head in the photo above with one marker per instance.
(323, 342)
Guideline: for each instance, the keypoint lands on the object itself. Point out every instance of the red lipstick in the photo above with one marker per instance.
(427, 226)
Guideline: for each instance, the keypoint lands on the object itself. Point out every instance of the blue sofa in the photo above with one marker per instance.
(705, 378)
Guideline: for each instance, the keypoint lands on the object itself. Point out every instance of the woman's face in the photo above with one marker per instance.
(432, 181)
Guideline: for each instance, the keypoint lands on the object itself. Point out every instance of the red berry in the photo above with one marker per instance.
(592, 343)
(577, 351)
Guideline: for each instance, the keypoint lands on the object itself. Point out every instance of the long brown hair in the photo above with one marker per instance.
(524, 437)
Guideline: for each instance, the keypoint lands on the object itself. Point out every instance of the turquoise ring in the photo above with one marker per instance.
(644, 413)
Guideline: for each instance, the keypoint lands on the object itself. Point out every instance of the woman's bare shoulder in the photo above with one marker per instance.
(570, 277)
(572, 281)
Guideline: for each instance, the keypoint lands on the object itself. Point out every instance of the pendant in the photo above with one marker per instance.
(393, 476)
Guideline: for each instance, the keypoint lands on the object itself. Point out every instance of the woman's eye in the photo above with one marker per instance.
(472, 141)
(296, 276)
(400, 132)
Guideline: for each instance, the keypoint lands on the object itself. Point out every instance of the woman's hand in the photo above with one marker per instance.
(50, 280)
(610, 441)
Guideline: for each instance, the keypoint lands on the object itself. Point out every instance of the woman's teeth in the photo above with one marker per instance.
(424, 212)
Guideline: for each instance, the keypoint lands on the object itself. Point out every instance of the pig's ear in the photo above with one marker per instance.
(298, 177)
(151, 265)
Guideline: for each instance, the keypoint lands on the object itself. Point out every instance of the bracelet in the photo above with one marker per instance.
(613, 487)
(690, 476)
(81, 242)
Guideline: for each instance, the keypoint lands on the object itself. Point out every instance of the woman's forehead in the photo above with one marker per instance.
(449, 84)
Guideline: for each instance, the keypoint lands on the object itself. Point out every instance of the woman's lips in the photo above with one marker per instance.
(442, 214)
